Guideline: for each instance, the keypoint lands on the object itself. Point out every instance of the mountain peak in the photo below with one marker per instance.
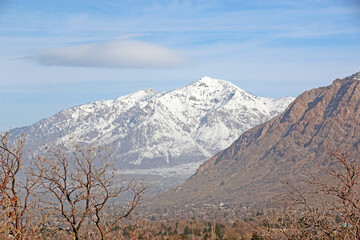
(206, 78)
(292, 145)
(151, 130)
(212, 81)
(213, 84)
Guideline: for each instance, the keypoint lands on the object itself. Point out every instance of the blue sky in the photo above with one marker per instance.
(57, 54)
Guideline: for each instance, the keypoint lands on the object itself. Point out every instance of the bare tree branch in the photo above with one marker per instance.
(79, 178)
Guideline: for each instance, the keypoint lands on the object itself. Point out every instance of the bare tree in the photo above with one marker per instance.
(335, 214)
(18, 193)
(106, 222)
(80, 181)
(346, 190)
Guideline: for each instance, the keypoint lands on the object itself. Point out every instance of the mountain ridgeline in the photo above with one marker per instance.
(293, 144)
(148, 129)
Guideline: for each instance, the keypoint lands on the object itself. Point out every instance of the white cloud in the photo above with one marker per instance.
(115, 54)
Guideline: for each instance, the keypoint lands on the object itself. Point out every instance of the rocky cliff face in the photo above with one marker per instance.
(291, 145)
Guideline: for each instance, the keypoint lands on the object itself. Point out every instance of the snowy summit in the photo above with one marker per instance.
(148, 129)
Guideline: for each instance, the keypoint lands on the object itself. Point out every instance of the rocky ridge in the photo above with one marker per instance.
(293, 145)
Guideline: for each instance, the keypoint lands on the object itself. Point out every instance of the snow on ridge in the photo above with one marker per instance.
(136, 96)
(357, 76)
(148, 129)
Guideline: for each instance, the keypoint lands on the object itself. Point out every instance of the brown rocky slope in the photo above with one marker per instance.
(291, 145)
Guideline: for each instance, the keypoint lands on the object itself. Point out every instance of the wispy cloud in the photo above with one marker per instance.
(114, 54)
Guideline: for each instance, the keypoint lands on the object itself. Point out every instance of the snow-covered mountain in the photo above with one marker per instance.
(148, 129)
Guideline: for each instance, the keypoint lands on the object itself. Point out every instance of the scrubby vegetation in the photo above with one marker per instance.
(69, 192)
(330, 211)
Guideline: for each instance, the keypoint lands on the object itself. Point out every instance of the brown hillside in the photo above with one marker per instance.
(293, 144)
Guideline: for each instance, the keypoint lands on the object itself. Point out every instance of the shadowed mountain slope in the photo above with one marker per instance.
(293, 144)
